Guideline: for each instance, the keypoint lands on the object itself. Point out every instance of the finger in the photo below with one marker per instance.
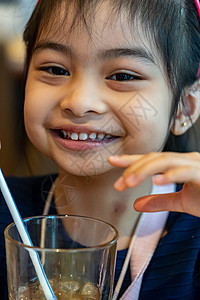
(126, 160)
(152, 164)
(162, 202)
(160, 162)
(130, 178)
(133, 162)
(179, 175)
(123, 160)
(146, 166)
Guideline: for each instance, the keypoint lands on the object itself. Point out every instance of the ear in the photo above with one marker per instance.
(188, 110)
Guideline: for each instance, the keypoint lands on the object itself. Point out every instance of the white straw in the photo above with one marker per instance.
(26, 238)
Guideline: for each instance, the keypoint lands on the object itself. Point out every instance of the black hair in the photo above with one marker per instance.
(172, 26)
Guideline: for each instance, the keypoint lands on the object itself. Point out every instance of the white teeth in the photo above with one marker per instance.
(101, 136)
(74, 136)
(83, 136)
(92, 136)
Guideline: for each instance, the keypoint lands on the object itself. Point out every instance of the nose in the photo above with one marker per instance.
(82, 98)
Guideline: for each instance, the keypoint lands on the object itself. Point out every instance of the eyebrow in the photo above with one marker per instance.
(140, 53)
(136, 52)
(44, 45)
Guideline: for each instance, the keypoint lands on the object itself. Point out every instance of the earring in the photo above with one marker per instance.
(183, 124)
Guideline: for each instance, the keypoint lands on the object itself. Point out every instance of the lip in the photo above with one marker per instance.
(79, 145)
(86, 129)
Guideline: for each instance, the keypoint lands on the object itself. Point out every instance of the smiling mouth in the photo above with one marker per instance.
(84, 136)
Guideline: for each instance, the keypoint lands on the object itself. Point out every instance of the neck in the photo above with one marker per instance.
(95, 197)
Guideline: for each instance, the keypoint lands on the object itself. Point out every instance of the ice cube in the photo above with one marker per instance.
(30, 292)
(69, 286)
(22, 293)
(89, 290)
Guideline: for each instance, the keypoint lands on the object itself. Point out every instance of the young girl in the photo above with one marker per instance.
(106, 83)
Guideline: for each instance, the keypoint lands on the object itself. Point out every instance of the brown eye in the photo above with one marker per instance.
(57, 71)
(121, 77)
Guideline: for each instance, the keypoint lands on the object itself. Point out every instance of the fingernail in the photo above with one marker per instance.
(114, 157)
(158, 179)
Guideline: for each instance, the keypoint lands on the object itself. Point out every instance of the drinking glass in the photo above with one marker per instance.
(77, 254)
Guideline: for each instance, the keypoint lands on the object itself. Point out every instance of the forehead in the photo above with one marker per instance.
(97, 30)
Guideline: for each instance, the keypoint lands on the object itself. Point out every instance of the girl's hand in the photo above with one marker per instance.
(172, 168)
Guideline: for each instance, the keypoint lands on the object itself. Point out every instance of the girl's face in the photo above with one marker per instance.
(89, 96)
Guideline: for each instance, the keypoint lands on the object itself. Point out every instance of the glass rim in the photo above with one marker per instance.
(59, 250)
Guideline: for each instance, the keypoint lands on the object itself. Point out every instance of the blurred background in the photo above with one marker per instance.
(17, 156)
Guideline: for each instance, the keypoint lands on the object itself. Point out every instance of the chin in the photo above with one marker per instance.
(82, 168)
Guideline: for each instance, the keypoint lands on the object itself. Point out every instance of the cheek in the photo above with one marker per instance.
(32, 123)
(147, 123)
(39, 102)
(36, 110)
(33, 112)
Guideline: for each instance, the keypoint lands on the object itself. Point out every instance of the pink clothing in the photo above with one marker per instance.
(149, 233)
